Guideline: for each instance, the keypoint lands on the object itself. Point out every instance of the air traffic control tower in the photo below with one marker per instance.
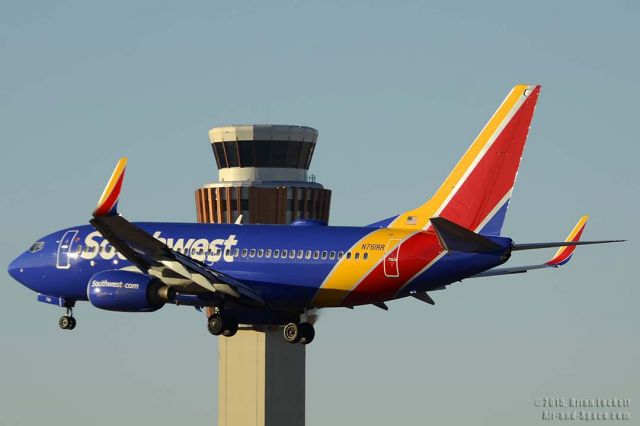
(263, 176)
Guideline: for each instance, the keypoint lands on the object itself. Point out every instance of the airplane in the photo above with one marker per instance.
(259, 275)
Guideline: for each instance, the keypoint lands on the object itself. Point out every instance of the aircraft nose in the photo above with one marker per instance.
(16, 267)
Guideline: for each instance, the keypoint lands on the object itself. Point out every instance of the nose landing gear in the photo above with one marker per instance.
(67, 322)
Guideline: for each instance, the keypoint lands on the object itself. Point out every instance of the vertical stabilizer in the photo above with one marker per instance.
(476, 193)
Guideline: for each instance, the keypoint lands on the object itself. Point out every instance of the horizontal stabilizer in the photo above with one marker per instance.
(535, 246)
(454, 237)
(510, 270)
(562, 256)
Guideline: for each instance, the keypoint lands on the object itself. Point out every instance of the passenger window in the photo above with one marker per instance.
(244, 252)
(252, 253)
(292, 254)
(227, 252)
(300, 254)
(260, 253)
(332, 255)
(267, 253)
(284, 253)
(324, 255)
(236, 253)
(357, 256)
(316, 254)
(307, 255)
(340, 254)
(365, 256)
(348, 255)
(276, 253)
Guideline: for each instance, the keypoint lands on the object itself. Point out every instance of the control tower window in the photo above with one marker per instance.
(218, 150)
(262, 149)
(246, 153)
(308, 163)
(263, 153)
(293, 154)
(278, 153)
(232, 153)
(304, 155)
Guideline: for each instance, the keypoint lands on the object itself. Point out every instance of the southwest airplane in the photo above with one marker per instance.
(265, 275)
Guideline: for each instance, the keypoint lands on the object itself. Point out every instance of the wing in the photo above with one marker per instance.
(154, 257)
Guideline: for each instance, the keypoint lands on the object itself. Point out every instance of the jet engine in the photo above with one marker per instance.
(125, 291)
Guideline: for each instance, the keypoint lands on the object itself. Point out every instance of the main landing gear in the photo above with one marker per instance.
(219, 325)
(67, 322)
(299, 333)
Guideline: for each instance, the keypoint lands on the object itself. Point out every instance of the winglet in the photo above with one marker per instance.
(108, 203)
(563, 255)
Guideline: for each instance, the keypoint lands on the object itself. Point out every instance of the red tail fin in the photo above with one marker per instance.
(476, 192)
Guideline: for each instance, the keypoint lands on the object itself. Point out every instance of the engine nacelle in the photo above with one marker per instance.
(125, 291)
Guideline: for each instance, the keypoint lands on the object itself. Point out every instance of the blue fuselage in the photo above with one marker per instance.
(286, 265)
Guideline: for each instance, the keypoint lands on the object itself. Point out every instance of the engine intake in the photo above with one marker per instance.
(125, 291)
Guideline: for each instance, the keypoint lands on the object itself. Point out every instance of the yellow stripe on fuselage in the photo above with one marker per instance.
(349, 272)
(422, 214)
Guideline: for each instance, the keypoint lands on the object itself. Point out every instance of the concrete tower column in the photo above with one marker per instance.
(263, 176)
(261, 380)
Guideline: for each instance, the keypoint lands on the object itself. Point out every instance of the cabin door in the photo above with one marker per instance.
(64, 249)
(391, 267)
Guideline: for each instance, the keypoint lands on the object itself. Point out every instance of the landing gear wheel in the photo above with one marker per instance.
(307, 333)
(215, 325)
(65, 322)
(291, 332)
(230, 328)
(68, 322)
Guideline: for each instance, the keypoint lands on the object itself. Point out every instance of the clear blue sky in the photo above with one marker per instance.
(397, 90)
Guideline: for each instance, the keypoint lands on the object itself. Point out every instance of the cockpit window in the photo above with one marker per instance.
(37, 246)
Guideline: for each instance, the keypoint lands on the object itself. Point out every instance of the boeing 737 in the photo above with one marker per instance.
(277, 275)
